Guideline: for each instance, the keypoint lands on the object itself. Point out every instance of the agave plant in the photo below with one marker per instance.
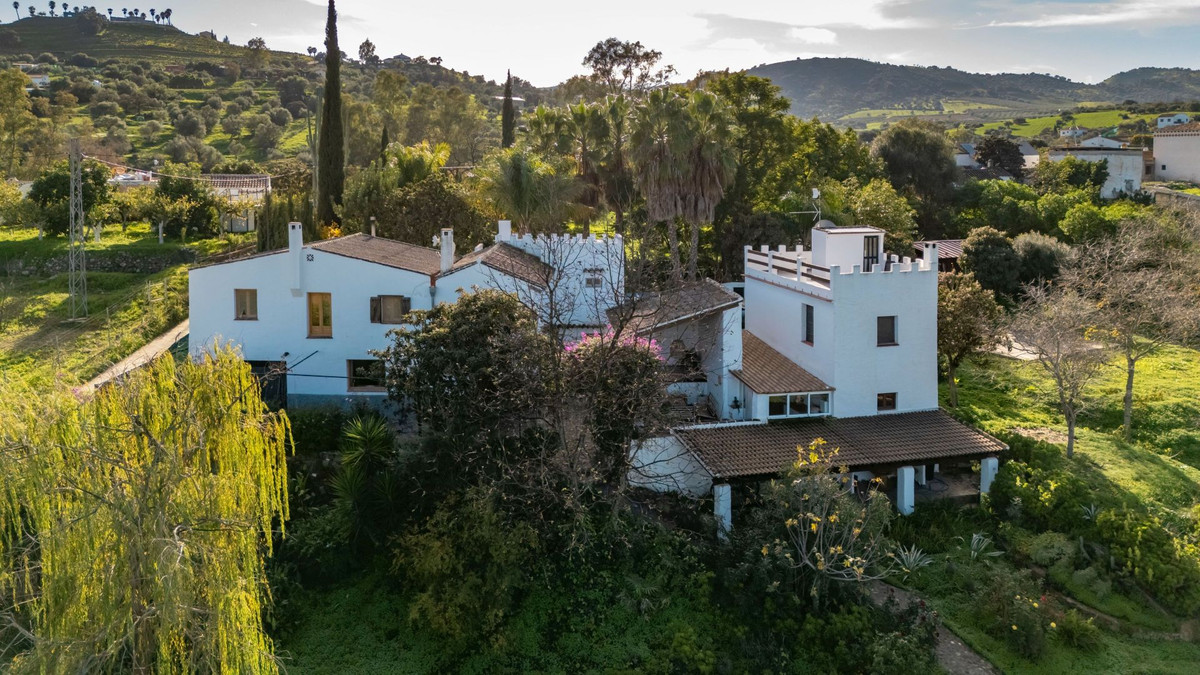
(1090, 512)
(979, 545)
(912, 559)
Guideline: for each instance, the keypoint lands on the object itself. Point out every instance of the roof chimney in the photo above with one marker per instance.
(505, 232)
(931, 254)
(447, 249)
(372, 226)
(295, 253)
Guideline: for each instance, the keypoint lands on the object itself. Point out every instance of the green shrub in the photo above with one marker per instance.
(1040, 499)
(1073, 629)
(1010, 608)
(1048, 548)
(1093, 581)
(1166, 566)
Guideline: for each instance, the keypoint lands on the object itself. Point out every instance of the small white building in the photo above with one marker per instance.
(1125, 167)
(1101, 142)
(308, 317)
(1177, 153)
(1072, 132)
(1173, 119)
(839, 343)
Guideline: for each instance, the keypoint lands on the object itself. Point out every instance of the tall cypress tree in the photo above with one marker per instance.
(508, 116)
(331, 151)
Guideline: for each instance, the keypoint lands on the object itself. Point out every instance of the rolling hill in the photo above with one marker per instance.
(858, 92)
(142, 41)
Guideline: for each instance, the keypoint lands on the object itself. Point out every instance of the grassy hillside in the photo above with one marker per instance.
(865, 94)
(142, 41)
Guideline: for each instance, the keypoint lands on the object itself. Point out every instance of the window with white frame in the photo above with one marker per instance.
(781, 406)
(245, 304)
(808, 324)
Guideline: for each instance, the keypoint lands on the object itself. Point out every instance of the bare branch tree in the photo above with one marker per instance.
(1145, 293)
(1057, 326)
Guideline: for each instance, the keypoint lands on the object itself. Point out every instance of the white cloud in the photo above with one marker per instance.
(1122, 12)
(811, 35)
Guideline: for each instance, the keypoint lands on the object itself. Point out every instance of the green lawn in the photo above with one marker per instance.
(1159, 470)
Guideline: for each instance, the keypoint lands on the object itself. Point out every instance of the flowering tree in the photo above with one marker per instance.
(831, 536)
(617, 379)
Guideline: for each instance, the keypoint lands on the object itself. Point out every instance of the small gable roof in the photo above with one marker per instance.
(382, 251)
(766, 371)
(507, 259)
(659, 310)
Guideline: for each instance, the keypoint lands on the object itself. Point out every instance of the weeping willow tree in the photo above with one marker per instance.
(135, 523)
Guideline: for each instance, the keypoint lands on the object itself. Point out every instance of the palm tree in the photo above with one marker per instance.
(125, 11)
(153, 16)
(545, 132)
(52, 5)
(615, 176)
(166, 14)
(17, 10)
(110, 13)
(657, 152)
(530, 190)
(587, 130)
(711, 164)
(32, 10)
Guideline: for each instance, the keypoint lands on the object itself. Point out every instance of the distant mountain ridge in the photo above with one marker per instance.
(831, 88)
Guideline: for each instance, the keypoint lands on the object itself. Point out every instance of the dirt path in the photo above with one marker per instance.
(142, 356)
(956, 657)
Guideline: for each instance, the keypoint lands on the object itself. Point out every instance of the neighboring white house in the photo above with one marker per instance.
(1101, 142)
(1177, 153)
(964, 155)
(1171, 120)
(1072, 132)
(40, 81)
(310, 315)
(839, 343)
(1125, 167)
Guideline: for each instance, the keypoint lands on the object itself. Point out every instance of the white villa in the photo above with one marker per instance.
(1177, 153)
(838, 342)
(307, 317)
(1173, 119)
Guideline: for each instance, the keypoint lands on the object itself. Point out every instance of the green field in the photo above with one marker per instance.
(1099, 119)
(39, 343)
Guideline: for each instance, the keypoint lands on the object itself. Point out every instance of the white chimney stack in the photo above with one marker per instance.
(447, 249)
(505, 231)
(295, 252)
(372, 226)
(931, 254)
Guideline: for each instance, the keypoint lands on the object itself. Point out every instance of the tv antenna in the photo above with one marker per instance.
(816, 207)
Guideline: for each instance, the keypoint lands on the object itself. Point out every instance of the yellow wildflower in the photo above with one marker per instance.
(1014, 626)
(1053, 625)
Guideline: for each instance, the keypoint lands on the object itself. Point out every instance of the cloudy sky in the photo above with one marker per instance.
(545, 41)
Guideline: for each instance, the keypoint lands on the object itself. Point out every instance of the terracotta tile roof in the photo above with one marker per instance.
(948, 249)
(763, 449)
(690, 301)
(384, 252)
(510, 260)
(766, 371)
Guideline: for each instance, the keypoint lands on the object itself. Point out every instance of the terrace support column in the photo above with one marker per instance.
(723, 509)
(905, 488)
(987, 473)
(920, 473)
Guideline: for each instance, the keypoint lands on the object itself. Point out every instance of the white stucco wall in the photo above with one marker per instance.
(1125, 168)
(1172, 120)
(663, 464)
(573, 256)
(282, 324)
(844, 353)
(1177, 156)
(862, 368)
